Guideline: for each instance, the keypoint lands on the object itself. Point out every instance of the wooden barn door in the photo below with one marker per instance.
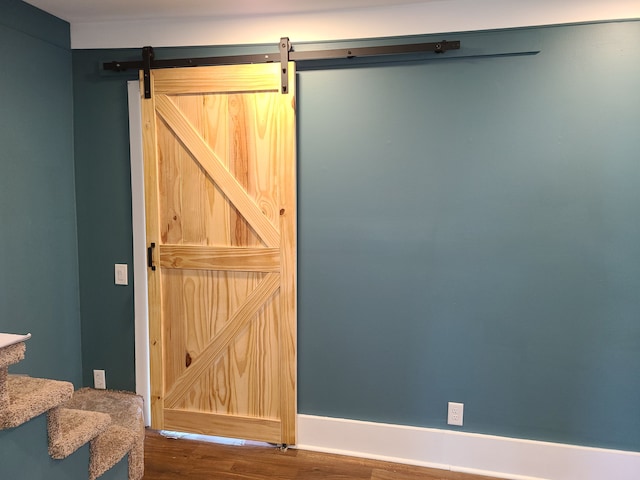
(219, 154)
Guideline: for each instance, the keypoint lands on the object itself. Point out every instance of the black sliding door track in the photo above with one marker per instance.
(285, 54)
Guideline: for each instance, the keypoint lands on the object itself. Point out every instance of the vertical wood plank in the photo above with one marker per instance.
(288, 296)
(169, 162)
(152, 206)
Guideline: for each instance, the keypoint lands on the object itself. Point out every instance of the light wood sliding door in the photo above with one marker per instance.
(220, 183)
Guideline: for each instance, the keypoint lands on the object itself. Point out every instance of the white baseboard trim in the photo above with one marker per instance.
(501, 457)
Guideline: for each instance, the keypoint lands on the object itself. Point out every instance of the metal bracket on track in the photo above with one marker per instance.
(285, 48)
(147, 60)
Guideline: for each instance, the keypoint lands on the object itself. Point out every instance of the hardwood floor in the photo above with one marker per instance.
(169, 458)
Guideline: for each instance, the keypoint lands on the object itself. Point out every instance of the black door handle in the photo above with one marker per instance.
(150, 256)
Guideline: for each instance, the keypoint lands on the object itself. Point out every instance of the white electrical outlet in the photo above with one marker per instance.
(99, 380)
(455, 414)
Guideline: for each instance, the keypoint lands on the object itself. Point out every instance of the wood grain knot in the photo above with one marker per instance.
(188, 360)
(282, 211)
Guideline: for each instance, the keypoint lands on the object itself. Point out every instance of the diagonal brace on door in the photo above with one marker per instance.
(240, 319)
(209, 161)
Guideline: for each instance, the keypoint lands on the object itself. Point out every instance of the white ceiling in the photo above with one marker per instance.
(161, 23)
(109, 10)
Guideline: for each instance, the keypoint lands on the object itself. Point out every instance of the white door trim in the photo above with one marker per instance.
(140, 298)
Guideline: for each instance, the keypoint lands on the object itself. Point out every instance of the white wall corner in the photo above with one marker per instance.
(500, 457)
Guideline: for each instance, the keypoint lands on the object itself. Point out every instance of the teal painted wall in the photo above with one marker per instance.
(38, 245)
(103, 192)
(467, 233)
(24, 456)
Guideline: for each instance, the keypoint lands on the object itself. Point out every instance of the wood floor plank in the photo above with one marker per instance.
(173, 459)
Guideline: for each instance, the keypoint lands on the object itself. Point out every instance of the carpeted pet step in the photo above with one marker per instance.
(69, 429)
(30, 397)
(12, 354)
(126, 434)
(109, 448)
(8, 356)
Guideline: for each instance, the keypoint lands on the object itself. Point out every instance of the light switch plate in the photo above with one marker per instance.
(122, 277)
